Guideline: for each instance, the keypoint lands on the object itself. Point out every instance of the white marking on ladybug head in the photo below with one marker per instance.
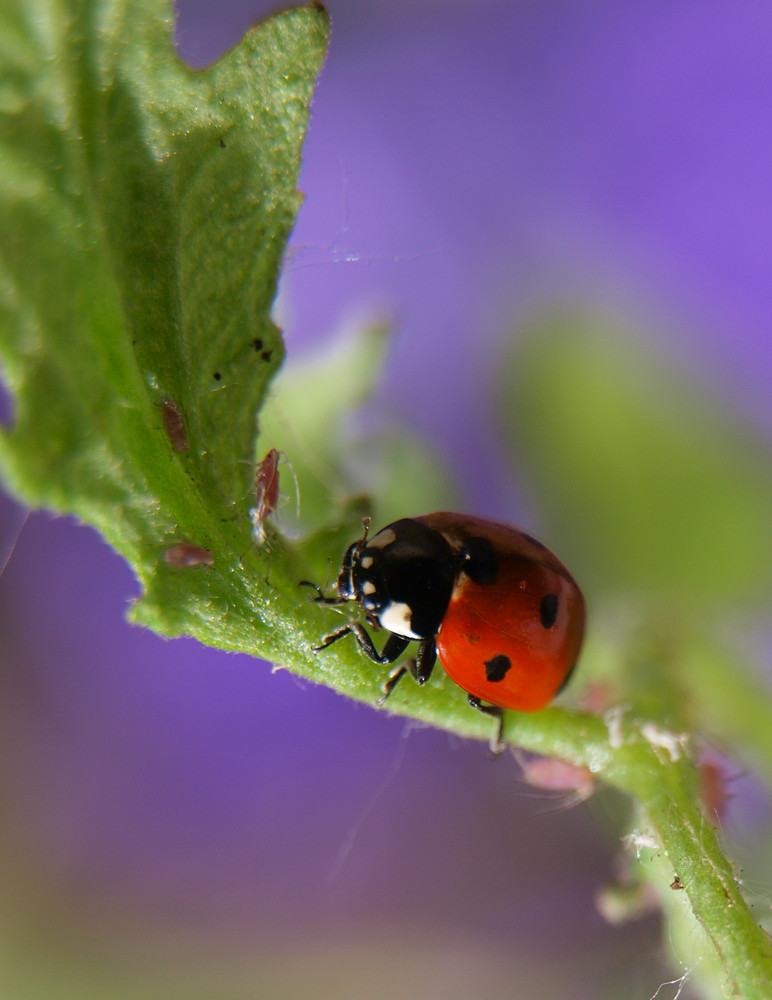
(382, 539)
(398, 617)
(346, 586)
(368, 587)
(366, 562)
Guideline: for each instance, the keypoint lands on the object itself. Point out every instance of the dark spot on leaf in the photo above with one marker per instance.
(217, 376)
(257, 344)
(496, 668)
(222, 143)
(266, 355)
(548, 610)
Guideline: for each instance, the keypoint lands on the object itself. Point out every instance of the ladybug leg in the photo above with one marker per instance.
(424, 661)
(395, 644)
(420, 669)
(328, 640)
(320, 598)
(392, 680)
(496, 743)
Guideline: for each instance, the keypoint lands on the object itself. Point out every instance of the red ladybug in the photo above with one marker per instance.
(502, 612)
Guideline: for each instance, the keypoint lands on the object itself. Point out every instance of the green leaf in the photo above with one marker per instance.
(156, 203)
(145, 210)
(651, 486)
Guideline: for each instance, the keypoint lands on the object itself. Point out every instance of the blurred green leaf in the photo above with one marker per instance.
(320, 414)
(651, 485)
(305, 413)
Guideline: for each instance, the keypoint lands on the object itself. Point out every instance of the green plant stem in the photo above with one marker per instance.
(665, 790)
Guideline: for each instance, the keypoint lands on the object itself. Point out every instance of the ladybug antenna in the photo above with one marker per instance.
(320, 596)
(365, 529)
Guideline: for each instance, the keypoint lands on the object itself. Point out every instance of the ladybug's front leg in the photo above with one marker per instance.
(420, 669)
(320, 598)
(395, 644)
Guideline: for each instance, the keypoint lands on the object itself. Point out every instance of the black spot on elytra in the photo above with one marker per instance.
(478, 560)
(496, 668)
(548, 610)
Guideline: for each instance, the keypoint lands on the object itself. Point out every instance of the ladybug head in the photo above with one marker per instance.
(403, 577)
(364, 574)
(347, 583)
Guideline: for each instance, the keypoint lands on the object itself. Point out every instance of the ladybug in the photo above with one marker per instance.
(503, 614)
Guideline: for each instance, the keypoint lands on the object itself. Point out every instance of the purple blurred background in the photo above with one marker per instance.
(467, 164)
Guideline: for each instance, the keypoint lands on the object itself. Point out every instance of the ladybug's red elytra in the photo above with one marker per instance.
(502, 612)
